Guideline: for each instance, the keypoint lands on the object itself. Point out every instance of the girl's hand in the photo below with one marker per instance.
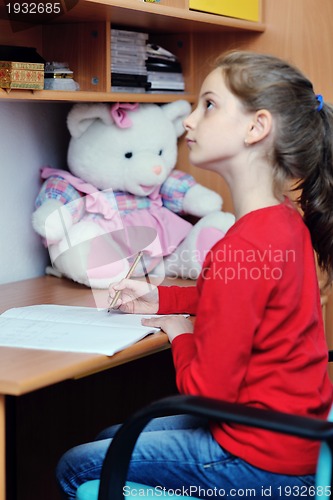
(171, 325)
(136, 296)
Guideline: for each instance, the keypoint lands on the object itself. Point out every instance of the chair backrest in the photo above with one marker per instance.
(114, 471)
(324, 468)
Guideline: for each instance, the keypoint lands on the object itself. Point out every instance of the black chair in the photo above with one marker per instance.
(115, 467)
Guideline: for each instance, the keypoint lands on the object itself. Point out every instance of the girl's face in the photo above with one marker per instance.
(218, 127)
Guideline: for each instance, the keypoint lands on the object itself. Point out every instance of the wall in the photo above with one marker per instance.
(32, 134)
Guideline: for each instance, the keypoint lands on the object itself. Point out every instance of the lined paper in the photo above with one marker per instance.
(71, 329)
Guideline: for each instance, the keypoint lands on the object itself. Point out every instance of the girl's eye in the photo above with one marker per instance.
(209, 105)
(128, 155)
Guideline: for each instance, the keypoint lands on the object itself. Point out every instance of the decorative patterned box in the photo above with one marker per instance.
(241, 9)
(21, 75)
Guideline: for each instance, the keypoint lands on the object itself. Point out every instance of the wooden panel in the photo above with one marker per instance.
(300, 31)
(90, 96)
(27, 38)
(181, 45)
(156, 16)
(182, 4)
(86, 47)
(52, 420)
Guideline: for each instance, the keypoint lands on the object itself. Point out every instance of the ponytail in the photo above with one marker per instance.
(316, 198)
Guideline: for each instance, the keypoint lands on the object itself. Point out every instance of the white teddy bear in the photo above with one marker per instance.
(122, 195)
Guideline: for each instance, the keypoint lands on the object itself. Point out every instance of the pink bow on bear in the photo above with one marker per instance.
(119, 113)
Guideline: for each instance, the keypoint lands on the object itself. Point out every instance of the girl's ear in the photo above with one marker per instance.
(260, 127)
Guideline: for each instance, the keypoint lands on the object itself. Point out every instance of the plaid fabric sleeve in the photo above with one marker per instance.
(57, 188)
(174, 189)
(128, 203)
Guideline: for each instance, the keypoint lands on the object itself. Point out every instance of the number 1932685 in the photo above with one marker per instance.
(32, 8)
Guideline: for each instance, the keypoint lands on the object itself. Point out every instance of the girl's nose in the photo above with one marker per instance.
(187, 123)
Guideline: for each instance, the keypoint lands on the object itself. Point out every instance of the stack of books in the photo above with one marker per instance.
(128, 61)
(164, 70)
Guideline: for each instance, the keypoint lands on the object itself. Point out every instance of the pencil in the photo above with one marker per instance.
(128, 275)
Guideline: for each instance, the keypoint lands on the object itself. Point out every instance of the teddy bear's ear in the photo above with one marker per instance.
(81, 116)
(177, 111)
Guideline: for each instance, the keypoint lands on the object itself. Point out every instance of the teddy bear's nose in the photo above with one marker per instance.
(157, 170)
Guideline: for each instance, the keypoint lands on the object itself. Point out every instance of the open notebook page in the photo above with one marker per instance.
(71, 328)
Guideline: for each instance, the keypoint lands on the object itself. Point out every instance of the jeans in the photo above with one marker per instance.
(178, 453)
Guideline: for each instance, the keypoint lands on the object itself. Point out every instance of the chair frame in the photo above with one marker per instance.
(118, 456)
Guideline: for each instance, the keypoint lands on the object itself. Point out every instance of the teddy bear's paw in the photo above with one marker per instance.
(83, 232)
(89, 256)
(82, 265)
(205, 233)
(71, 264)
(106, 263)
(101, 277)
(184, 262)
(52, 220)
(218, 220)
(200, 201)
(52, 271)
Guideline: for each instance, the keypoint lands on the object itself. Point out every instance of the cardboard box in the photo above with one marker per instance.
(21, 75)
(241, 9)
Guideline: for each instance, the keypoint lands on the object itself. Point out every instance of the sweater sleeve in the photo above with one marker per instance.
(177, 300)
(213, 361)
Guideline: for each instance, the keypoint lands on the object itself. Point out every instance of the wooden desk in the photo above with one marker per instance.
(24, 370)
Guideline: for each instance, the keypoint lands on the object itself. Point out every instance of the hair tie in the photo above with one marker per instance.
(320, 100)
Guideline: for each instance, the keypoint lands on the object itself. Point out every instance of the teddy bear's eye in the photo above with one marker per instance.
(160, 152)
(128, 155)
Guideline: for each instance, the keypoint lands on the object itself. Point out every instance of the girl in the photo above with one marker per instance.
(258, 337)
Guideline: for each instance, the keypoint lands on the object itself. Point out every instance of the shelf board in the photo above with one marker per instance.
(148, 17)
(155, 17)
(82, 96)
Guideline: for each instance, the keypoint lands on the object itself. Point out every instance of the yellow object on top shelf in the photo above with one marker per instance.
(241, 9)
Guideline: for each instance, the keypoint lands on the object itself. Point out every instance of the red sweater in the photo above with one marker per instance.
(258, 336)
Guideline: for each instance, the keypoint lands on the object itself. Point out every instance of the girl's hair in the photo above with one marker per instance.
(303, 137)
